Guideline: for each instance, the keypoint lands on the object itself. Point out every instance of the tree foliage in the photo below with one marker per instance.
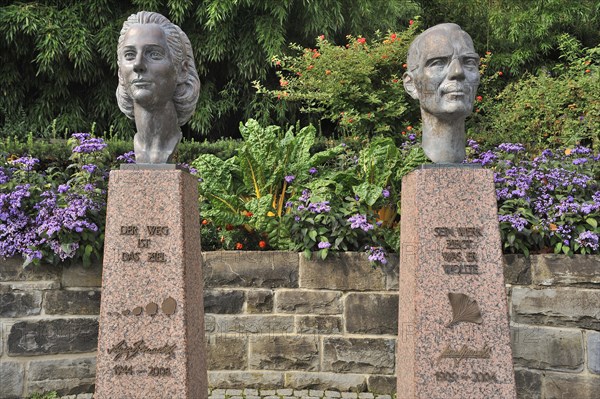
(59, 57)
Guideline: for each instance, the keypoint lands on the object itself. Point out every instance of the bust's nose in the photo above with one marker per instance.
(139, 65)
(455, 70)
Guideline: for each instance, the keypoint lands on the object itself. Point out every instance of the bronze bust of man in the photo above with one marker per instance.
(443, 74)
(158, 83)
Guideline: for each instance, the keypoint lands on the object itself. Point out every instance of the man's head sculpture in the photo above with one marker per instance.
(158, 83)
(443, 74)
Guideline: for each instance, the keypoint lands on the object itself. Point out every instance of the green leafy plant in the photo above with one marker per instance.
(556, 108)
(45, 395)
(357, 87)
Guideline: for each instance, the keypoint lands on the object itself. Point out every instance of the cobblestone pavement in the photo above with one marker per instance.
(271, 394)
(290, 394)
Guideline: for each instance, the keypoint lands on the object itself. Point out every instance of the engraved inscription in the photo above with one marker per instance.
(465, 353)
(158, 230)
(130, 256)
(159, 371)
(123, 370)
(144, 243)
(157, 257)
(123, 350)
(129, 231)
(459, 253)
(450, 376)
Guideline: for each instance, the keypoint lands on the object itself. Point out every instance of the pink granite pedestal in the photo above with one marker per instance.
(151, 341)
(450, 244)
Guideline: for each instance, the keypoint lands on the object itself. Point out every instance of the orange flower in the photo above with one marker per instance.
(411, 22)
(204, 222)
(553, 227)
(322, 37)
(310, 67)
(500, 73)
(328, 72)
(228, 227)
(479, 98)
(587, 71)
(361, 40)
(283, 83)
(262, 244)
(393, 36)
(403, 133)
(404, 66)
(568, 151)
(409, 128)
(239, 246)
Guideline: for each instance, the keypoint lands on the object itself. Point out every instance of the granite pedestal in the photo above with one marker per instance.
(151, 341)
(453, 333)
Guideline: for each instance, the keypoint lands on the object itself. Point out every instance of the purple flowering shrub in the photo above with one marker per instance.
(53, 215)
(549, 202)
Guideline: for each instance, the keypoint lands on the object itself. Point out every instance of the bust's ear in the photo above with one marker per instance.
(409, 85)
(120, 75)
(183, 71)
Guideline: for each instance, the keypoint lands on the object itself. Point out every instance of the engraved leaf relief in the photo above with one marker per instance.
(464, 309)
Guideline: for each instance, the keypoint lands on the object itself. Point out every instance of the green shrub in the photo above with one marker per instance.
(357, 87)
(556, 108)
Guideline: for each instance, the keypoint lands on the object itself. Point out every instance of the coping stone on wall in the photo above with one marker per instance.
(517, 269)
(11, 269)
(347, 271)
(271, 269)
(552, 269)
(79, 276)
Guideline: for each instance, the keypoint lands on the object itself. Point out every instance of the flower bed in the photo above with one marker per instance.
(279, 192)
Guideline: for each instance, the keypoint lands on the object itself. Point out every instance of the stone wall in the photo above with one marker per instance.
(275, 320)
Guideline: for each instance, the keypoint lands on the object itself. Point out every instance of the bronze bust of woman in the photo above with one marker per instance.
(158, 83)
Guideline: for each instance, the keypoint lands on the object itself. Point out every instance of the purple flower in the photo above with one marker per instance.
(412, 137)
(510, 147)
(90, 168)
(588, 239)
(90, 145)
(385, 192)
(289, 178)
(63, 188)
(289, 204)
(88, 187)
(579, 161)
(377, 255)
(4, 178)
(515, 220)
(324, 245)
(297, 218)
(319, 207)
(359, 221)
(312, 170)
(25, 163)
(305, 196)
(128, 157)
(81, 136)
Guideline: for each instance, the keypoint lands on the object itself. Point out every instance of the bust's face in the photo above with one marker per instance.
(145, 66)
(448, 74)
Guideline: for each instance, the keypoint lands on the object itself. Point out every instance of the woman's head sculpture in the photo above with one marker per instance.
(158, 83)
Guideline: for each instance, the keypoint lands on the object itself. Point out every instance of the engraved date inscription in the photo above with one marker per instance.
(448, 376)
(159, 371)
(123, 370)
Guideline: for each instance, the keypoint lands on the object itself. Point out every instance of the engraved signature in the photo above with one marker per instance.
(123, 350)
(465, 353)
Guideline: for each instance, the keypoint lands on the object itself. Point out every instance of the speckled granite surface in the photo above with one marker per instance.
(151, 340)
(450, 243)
